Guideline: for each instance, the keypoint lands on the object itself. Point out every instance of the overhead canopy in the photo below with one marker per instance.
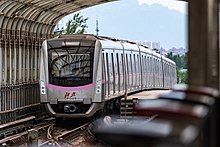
(37, 16)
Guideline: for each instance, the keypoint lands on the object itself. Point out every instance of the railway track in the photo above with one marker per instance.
(64, 137)
(22, 138)
(48, 135)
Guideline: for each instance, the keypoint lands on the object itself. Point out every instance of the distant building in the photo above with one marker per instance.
(163, 51)
(148, 44)
(156, 45)
(139, 42)
(178, 51)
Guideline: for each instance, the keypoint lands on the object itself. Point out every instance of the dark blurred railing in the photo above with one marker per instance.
(18, 101)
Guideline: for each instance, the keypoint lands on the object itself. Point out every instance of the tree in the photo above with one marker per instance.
(181, 76)
(181, 63)
(77, 25)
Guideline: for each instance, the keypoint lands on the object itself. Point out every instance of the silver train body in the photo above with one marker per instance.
(79, 73)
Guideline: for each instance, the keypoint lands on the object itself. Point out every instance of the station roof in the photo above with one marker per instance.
(39, 16)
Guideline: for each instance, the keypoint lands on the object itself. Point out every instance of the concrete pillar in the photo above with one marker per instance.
(203, 43)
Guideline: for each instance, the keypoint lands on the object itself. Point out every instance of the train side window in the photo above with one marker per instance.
(135, 71)
(154, 64)
(138, 71)
(104, 72)
(157, 67)
(131, 67)
(147, 64)
(128, 71)
(123, 70)
(113, 72)
(107, 64)
(150, 64)
(118, 65)
(131, 64)
(166, 69)
(135, 67)
(127, 64)
(142, 63)
(138, 67)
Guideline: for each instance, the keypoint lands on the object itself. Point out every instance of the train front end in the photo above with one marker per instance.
(70, 85)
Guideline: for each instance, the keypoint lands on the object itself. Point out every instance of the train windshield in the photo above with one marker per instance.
(70, 62)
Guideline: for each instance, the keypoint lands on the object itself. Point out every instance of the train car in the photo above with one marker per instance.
(80, 74)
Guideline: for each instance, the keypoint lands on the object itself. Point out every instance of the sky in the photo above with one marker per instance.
(180, 6)
(174, 23)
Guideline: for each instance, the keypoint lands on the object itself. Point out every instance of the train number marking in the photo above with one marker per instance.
(69, 95)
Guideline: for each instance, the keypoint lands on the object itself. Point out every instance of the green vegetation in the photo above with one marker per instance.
(181, 63)
(77, 25)
(181, 76)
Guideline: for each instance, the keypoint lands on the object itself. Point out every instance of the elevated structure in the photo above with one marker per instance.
(24, 24)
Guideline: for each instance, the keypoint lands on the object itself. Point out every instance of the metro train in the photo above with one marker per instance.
(81, 73)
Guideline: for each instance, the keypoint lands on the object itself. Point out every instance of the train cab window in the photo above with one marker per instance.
(70, 65)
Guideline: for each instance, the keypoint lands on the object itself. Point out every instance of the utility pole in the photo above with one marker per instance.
(97, 28)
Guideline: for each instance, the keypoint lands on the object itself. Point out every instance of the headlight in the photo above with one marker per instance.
(98, 87)
(42, 87)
